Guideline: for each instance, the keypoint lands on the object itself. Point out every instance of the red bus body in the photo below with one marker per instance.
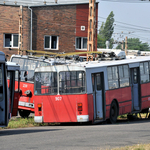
(26, 102)
(123, 96)
(145, 95)
(64, 108)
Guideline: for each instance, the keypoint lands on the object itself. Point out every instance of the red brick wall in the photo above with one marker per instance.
(9, 23)
(64, 21)
(55, 20)
(82, 12)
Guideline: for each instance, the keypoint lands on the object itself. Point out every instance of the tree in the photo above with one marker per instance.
(136, 44)
(105, 32)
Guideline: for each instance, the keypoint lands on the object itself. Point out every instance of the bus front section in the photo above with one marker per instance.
(60, 94)
(4, 100)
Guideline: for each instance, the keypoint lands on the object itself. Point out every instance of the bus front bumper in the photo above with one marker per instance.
(38, 119)
(82, 118)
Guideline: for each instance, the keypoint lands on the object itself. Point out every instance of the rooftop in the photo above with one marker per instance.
(42, 2)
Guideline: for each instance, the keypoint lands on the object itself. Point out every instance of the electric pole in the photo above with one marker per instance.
(20, 30)
(91, 28)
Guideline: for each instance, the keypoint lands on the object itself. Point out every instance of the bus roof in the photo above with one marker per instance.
(95, 64)
(11, 66)
(51, 61)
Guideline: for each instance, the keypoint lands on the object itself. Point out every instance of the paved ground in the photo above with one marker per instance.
(72, 137)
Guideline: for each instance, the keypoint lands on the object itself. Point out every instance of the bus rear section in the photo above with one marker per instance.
(60, 95)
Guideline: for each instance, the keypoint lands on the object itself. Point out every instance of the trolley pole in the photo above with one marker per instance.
(91, 28)
(126, 45)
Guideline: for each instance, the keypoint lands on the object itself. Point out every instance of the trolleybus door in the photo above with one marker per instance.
(135, 88)
(97, 79)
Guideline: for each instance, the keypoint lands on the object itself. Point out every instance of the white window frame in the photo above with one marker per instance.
(50, 36)
(12, 38)
(81, 43)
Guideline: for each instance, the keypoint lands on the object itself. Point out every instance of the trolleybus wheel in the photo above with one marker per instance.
(113, 112)
(24, 113)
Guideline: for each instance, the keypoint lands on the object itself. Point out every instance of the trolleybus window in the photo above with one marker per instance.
(113, 77)
(46, 83)
(71, 82)
(123, 75)
(115, 80)
(144, 72)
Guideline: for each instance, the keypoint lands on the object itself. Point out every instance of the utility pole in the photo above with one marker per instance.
(20, 30)
(91, 28)
(126, 45)
(122, 45)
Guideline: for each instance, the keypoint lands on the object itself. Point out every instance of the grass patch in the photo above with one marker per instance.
(123, 116)
(135, 147)
(23, 122)
(141, 115)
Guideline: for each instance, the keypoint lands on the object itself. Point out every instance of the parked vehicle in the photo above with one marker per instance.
(9, 95)
(92, 91)
(27, 66)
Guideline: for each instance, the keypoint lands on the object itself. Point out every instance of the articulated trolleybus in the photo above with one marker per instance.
(92, 91)
(9, 96)
(27, 67)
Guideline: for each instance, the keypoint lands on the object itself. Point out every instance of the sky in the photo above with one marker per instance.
(132, 19)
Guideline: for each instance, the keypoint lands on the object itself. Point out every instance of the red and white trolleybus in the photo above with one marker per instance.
(27, 67)
(91, 91)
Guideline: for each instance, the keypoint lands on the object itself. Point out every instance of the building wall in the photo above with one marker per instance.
(55, 20)
(9, 24)
(64, 21)
(82, 12)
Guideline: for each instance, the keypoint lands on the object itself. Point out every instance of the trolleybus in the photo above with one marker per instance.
(9, 95)
(92, 91)
(27, 67)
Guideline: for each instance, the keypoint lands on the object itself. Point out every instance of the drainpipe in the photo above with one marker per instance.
(31, 29)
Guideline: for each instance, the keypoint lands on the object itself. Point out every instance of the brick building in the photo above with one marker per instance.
(57, 27)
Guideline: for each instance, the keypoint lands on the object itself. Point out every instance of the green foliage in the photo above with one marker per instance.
(105, 32)
(109, 28)
(136, 44)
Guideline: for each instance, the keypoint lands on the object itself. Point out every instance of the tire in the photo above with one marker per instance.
(113, 112)
(24, 113)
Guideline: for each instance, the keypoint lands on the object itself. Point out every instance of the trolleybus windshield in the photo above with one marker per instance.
(70, 82)
(28, 66)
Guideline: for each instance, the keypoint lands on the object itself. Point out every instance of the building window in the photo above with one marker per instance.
(81, 42)
(11, 40)
(51, 42)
